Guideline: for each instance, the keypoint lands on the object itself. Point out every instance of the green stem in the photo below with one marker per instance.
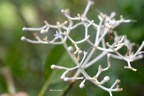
(67, 89)
(44, 88)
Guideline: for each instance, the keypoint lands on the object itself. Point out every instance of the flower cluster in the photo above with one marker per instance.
(84, 58)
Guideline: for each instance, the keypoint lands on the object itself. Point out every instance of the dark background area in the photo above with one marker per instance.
(29, 64)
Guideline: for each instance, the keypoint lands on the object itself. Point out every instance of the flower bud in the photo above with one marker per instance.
(80, 52)
(53, 66)
(63, 76)
(22, 38)
(70, 49)
(106, 78)
(66, 79)
(82, 85)
(43, 31)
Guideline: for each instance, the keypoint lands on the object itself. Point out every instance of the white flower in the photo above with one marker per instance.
(58, 35)
(85, 56)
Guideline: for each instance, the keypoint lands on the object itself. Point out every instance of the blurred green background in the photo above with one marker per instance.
(29, 64)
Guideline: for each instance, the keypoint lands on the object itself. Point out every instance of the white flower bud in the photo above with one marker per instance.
(66, 11)
(112, 14)
(106, 78)
(80, 52)
(24, 29)
(82, 85)
(62, 10)
(43, 31)
(22, 38)
(63, 76)
(65, 22)
(70, 49)
(66, 79)
(53, 66)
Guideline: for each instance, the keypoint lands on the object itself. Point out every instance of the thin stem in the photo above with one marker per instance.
(90, 2)
(66, 91)
(98, 31)
(9, 80)
(44, 88)
(89, 56)
(95, 60)
(140, 48)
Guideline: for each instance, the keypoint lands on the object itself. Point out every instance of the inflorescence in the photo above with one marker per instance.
(83, 59)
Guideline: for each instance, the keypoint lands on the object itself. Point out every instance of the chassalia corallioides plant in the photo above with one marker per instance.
(84, 58)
